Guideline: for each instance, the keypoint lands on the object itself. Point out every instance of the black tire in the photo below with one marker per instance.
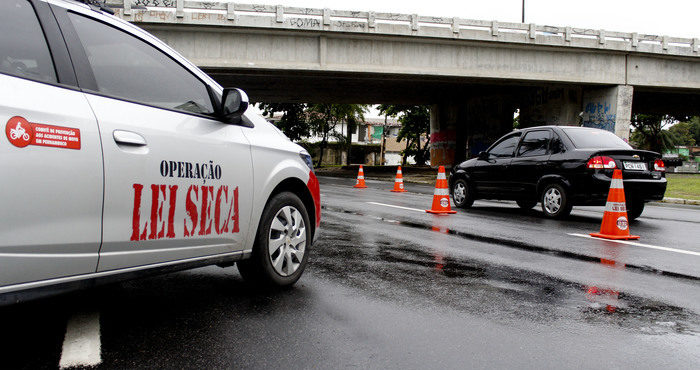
(259, 268)
(526, 204)
(462, 194)
(555, 201)
(634, 209)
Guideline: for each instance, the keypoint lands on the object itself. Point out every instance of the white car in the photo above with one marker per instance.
(121, 158)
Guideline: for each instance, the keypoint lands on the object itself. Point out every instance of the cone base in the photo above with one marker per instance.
(440, 212)
(359, 187)
(614, 237)
(398, 191)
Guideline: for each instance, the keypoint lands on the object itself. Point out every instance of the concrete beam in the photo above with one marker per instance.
(246, 49)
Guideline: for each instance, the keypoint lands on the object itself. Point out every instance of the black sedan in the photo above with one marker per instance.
(559, 166)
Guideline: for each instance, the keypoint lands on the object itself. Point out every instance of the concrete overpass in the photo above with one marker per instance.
(475, 73)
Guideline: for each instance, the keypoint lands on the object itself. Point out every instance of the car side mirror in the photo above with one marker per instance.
(234, 102)
(483, 156)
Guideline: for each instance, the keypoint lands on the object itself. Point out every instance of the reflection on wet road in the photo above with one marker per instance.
(405, 271)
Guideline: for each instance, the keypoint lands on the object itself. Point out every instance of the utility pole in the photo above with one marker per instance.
(523, 11)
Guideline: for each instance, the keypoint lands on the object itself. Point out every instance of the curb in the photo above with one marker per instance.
(681, 201)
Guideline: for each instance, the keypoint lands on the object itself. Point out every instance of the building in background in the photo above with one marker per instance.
(683, 159)
(367, 141)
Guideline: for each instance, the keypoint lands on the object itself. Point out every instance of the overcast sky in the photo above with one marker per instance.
(680, 18)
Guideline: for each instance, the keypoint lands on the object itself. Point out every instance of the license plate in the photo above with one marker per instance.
(635, 166)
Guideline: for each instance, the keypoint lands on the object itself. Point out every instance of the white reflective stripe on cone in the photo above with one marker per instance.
(616, 184)
(615, 207)
(399, 172)
(439, 191)
(399, 180)
(360, 177)
(441, 176)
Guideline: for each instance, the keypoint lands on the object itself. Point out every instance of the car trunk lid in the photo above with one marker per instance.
(635, 164)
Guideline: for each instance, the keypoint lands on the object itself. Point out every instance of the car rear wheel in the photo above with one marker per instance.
(462, 194)
(634, 209)
(555, 201)
(526, 204)
(280, 250)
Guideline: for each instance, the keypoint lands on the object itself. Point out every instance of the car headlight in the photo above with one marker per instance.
(307, 159)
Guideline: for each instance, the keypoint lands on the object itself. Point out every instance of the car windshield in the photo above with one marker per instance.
(591, 138)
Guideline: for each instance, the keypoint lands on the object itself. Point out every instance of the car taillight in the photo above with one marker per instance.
(659, 166)
(601, 163)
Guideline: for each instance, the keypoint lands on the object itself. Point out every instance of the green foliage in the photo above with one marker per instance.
(681, 134)
(323, 119)
(415, 123)
(693, 125)
(649, 133)
(293, 122)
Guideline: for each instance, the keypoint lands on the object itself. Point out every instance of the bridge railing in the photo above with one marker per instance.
(222, 13)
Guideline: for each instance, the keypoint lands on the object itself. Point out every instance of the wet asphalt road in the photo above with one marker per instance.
(490, 287)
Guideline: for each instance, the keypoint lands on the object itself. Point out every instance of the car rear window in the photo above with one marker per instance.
(591, 138)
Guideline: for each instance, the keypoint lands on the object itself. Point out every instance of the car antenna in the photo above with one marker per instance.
(97, 5)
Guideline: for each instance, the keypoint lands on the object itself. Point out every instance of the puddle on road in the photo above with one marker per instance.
(418, 275)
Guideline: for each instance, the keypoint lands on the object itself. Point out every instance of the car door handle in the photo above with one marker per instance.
(128, 138)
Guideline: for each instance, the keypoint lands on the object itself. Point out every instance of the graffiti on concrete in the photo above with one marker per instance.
(305, 22)
(599, 115)
(350, 25)
(164, 3)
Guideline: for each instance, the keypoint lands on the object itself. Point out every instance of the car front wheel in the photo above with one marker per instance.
(280, 250)
(462, 194)
(555, 201)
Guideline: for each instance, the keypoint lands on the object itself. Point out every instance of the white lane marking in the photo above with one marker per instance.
(81, 345)
(400, 207)
(641, 245)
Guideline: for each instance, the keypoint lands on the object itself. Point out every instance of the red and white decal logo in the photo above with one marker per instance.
(622, 223)
(21, 133)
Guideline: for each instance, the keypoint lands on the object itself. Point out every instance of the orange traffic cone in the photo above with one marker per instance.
(441, 196)
(398, 182)
(360, 179)
(615, 223)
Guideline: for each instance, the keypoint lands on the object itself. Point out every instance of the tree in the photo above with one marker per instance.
(681, 134)
(649, 132)
(351, 114)
(293, 123)
(694, 128)
(415, 124)
(324, 118)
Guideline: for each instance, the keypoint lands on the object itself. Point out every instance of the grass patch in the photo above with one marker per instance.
(684, 186)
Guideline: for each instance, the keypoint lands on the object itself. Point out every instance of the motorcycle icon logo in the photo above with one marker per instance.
(19, 131)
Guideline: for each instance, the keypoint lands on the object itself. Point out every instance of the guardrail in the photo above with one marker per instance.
(270, 16)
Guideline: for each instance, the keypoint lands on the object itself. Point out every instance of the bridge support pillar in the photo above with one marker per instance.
(609, 109)
(461, 128)
(443, 133)
(559, 106)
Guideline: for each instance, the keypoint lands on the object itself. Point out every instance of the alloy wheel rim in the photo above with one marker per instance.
(552, 200)
(460, 193)
(287, 241)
